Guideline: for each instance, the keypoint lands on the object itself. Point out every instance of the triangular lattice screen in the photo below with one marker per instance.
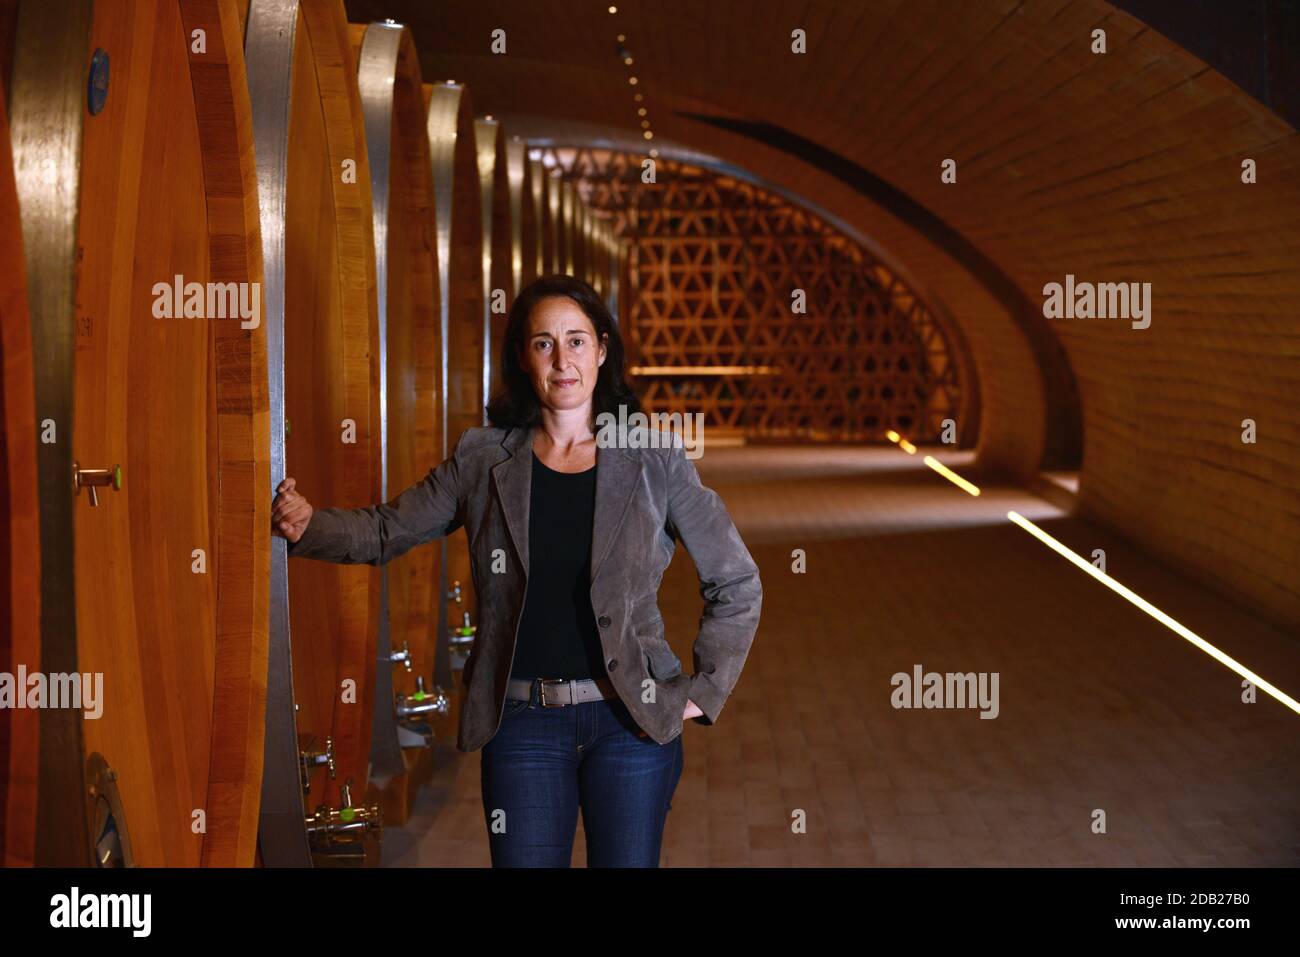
(714, 263)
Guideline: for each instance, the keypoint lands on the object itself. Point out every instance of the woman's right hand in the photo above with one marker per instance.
(290, 512)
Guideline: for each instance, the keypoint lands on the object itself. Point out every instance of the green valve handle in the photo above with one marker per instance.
(347, 814)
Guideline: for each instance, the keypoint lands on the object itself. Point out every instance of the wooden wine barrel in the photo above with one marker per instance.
(523, 223)
(553, 224)
(566, 238)
(499, 288)
(536, 220)
(591, 246)
(126, 183)
(322, 325)
(576, 225)
(408, 705)
(240, 405)
(596, 245)
(458, 213)
(592, 243)
(20, 596)
(582, 266)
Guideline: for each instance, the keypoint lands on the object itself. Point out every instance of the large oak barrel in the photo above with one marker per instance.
(461, 284)
(581, 237)
(523, 214)
(565, 232)
(314, 184)
(551, 250)
(595, 251)
(139, 221)
(553, 224)
(408, 706)
(536, 195)
(499, 290)
(596, 247)
(20, 599)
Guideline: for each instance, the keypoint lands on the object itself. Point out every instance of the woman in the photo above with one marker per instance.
(574, 695)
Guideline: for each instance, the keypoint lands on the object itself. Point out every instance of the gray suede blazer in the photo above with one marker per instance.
(646, 499)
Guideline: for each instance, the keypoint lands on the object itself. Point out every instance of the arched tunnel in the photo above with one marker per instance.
(1160, 448)
(976, 325)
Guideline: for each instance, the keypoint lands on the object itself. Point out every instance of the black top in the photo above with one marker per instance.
(557, 631)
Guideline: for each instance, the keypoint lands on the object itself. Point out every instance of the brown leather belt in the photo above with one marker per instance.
(558, 692)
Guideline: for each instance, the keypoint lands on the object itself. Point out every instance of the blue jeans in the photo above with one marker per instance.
(545, 763)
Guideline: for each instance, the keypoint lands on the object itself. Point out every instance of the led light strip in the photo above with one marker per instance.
(1153, 611)
(1136, 599)
(934, 463)
(951, 476)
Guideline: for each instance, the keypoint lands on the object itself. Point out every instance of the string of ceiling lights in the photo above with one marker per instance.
(638, 97)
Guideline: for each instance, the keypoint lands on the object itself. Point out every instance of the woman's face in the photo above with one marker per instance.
(561, 354)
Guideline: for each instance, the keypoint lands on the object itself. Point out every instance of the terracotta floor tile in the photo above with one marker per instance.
(1100, 705)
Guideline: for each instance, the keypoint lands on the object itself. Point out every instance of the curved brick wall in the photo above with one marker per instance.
(1122, 167)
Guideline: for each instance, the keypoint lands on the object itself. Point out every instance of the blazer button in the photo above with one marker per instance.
(613, 663)
(603, 621)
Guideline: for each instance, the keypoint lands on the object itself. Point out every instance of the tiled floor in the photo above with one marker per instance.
(1102, 709)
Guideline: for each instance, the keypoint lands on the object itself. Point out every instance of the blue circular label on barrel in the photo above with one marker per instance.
(97, 84)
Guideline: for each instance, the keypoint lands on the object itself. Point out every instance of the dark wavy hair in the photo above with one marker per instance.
(516, 404)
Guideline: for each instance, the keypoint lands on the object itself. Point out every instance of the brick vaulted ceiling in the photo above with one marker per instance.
(1119, 167)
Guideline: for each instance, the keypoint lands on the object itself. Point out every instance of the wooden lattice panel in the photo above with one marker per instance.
(713, 264)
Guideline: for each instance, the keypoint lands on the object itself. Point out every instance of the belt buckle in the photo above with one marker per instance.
(541, 691)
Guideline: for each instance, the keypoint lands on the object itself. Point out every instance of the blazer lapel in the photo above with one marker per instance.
(618, 476)
(513, 478)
